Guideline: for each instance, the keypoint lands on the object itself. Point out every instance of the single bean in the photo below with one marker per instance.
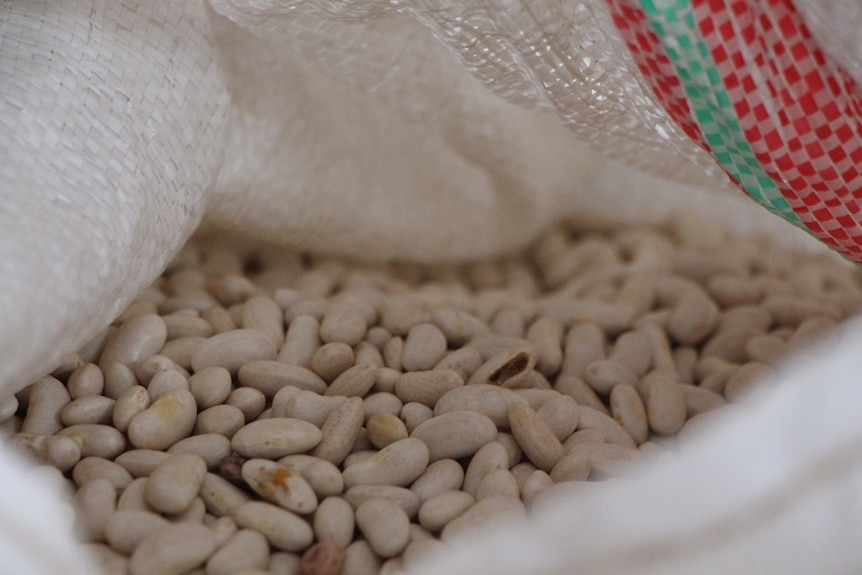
(489, 458)
(86, 380)
(141, 462)
(489, 400)
(175, 482)
(220, 496)
(95, 502)
(46, 399)
(538, 442)
(251, 402)
(96, 440)
(284, 530)
(628, 410)
(128, 528)
(464, 361)
(399, 464)
(273, 438)
(455, 434)
(441, 509)
(560, 414)
(332, 359)
(211, 447)
(354, 382)
(174, 550)
(233, 349)
(493, 510)
(169, 419)
(343, 322)
(262, 314)
(334, 521)
(340, 430)
(442, 475)
(385, 526)
(137, 339)
(406, 499)
(278, 484)
(427, 386)
(384, 429)
(424, 347)
(301, 342)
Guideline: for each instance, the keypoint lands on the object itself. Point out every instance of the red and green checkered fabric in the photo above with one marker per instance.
(749, 83)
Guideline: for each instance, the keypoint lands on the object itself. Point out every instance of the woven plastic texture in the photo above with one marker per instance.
(434, 130)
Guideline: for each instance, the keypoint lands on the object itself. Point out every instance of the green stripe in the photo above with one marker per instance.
(673, 21)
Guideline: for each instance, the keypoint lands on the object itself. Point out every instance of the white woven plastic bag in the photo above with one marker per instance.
(373, 129)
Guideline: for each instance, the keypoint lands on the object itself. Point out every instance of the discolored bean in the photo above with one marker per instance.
(507, 368)
(279, 485)
(384, 429)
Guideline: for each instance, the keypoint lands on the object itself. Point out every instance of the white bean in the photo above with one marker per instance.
(384, 525)
(173, 550)
(168, 420)
(274, 438)
(455, 434)
(175, 483)
(284, 530)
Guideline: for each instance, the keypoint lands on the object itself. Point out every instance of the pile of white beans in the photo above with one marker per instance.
(257, 411)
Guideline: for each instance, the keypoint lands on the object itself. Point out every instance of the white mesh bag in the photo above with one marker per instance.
(431, 131)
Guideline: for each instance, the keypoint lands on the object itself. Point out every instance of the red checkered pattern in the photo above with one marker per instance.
(655, 66)
(798, 113)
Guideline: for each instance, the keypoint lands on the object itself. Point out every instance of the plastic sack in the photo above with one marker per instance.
(372, 129)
